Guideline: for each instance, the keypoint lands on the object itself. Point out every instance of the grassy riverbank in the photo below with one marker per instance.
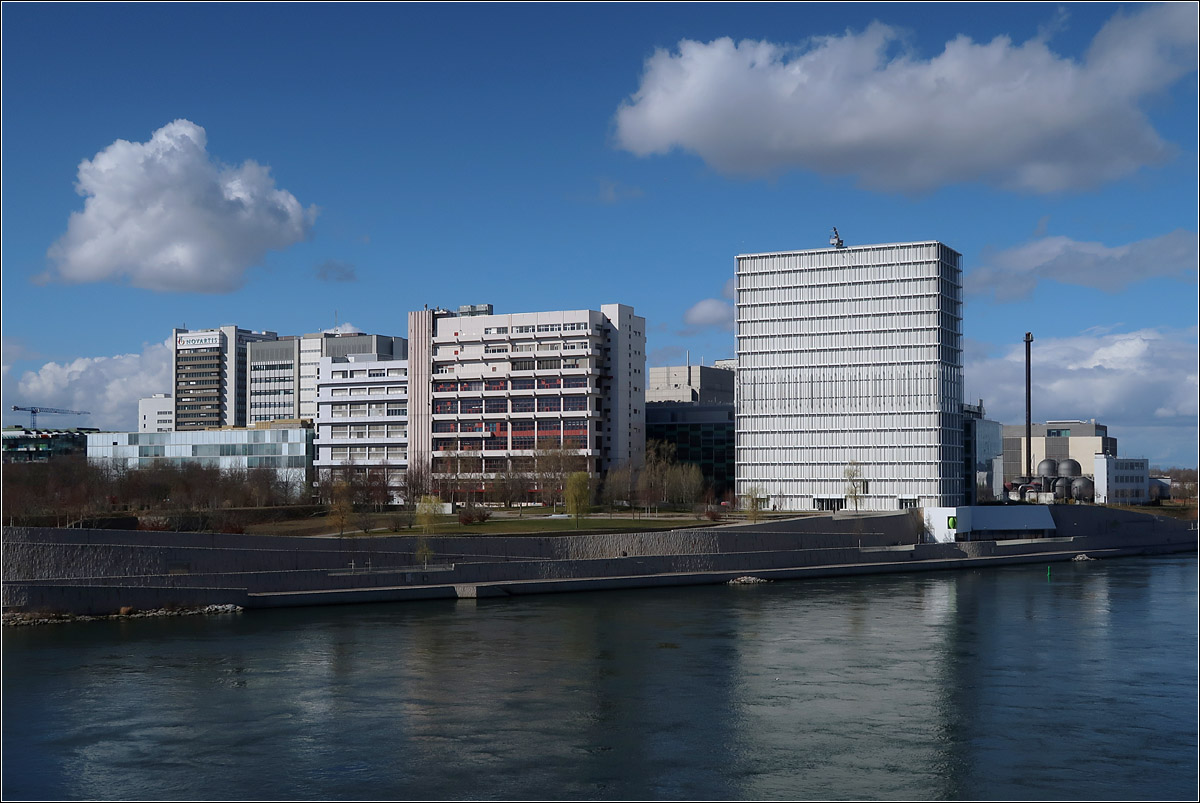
(500, 523)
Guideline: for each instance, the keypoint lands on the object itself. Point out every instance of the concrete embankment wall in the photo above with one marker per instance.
(97, 571)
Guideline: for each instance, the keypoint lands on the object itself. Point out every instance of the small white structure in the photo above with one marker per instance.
(1122, 480)
(988, 523)
(157, 413)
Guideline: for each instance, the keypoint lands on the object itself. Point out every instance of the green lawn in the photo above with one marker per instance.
(508, 524)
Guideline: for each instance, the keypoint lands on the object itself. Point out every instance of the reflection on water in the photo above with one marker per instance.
(1002, 684)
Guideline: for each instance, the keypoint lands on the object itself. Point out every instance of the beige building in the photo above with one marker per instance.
(699, 384)
(1080, 441)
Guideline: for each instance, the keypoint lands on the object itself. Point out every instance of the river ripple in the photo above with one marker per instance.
(1008, 683)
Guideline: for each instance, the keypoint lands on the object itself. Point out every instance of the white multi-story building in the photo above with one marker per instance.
(1121, 480)
(500, 387)
(849, 380)
(157, 413)
(209, 370)
(282, 375)
(362, 416)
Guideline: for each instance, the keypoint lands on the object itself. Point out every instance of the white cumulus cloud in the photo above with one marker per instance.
(1018, 116)
(1143, 382)
(1012, 274)
(107, 387)
(165, 215)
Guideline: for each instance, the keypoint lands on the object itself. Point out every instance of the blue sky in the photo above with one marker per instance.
(286, 167)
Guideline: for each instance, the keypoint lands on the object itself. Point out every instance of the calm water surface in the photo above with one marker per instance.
(997, 684)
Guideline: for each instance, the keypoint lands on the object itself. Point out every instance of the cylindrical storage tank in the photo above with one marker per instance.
(1048, 468)
(1082, 489)
(1062, 488)
(1069, 468)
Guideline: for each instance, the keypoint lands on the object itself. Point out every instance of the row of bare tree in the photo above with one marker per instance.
(541, 479)
(70, 488)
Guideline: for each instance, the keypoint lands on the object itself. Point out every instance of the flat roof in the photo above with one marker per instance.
(844, 248)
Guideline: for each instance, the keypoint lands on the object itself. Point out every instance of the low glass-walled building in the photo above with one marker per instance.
(287, 451)
(24, 445)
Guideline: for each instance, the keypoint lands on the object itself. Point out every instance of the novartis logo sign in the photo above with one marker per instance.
(197, 341)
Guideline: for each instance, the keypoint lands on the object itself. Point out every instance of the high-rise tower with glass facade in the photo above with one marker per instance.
(849, 382)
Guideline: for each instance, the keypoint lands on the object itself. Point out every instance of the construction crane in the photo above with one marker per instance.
(33, 413)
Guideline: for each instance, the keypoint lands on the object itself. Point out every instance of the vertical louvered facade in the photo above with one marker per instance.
(849, 382)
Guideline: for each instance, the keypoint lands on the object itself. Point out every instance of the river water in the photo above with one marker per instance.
(1008, 683)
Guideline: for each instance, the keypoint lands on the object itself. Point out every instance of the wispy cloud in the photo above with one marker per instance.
(333, 270)
(709, 313)
(1018, 116)
(165, 215)
(13, 349)
(612, 192)
(1012, 274)
(667, 355)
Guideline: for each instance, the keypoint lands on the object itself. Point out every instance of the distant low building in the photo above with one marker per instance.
(698, 384)
(1080, 441)
(703, 435)
(988, 523)
(288, 450)
(982, 447)
(25, 445)
(1121, 480)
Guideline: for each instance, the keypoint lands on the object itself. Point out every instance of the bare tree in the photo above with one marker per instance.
(554, 463)
(684, 483)
(854, 483)
(416, 481)
(341, 508)
(620, 483)
(754, 503)
(511, 486)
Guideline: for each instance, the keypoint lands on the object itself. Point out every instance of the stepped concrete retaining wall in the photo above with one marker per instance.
(100, 571)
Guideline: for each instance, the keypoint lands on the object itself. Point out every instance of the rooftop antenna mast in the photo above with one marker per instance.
(835, 239)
